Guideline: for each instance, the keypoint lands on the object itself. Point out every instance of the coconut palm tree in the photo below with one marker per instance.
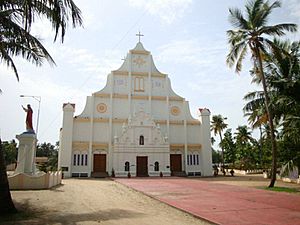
(244, 146)
(229, 147)
(217, 126)
(16, 19)
(256, 113)
(243, 135)
(283, 73)
(251, 33)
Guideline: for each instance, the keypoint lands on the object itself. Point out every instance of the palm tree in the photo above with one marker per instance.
(217, 126)
(283, 73)
(244, 147)
(229, 147)
(16, 19)
(252, 33)
(243, 135)
(257, 117)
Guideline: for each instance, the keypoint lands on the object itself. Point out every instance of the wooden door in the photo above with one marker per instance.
(99, 163)
(175, 163)
(142, 166)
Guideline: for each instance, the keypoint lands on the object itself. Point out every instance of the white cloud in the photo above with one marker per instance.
(294, 6)
(190, 51)
(86, 62)
(167, 10)
(42, 30)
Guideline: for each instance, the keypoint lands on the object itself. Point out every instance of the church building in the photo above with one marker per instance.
(135, 126)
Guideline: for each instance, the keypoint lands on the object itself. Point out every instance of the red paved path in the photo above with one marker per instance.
(221, 203)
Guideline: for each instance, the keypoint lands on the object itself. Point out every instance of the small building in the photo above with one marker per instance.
(41, 160)
(136, 124)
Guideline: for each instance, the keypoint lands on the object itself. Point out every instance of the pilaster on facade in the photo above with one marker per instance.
(168, 106)
(67, 138)
(90, 150)
(185, 136)
(130, 84)
(149, 84)
(110, 150)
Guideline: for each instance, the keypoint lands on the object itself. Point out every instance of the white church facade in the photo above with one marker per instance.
(135, 125)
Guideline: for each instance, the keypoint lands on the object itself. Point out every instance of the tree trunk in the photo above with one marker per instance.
(260, 146)
(6, 203)
(270, 118)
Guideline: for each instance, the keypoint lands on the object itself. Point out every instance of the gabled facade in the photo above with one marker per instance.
(136, 124)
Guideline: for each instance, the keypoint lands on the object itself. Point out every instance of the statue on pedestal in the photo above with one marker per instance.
(29, 111)
(27, 146)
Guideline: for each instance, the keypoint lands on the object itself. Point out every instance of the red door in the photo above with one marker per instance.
(142, 166)
(99, 163)
(175, 163)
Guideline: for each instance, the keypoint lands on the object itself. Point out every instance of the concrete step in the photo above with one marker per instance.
(99, 174)
(179, 174)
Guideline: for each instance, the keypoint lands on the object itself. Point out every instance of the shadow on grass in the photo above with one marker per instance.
(30, 216)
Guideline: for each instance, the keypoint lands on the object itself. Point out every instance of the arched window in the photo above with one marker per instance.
(74, 160)
(82, 159)
(139, 84)
(127, 166)
(156, 166)
(85, 159)
(141, 140)
(78, 159)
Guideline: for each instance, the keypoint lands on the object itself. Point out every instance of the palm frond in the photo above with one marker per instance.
(261, 17)
(253, 8)
(16, 41)
(4, 57)
(236, 19)
(236, 55)
(278, 30)
(241, 57)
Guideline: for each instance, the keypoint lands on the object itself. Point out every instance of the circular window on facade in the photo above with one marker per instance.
(175, 110)
(101, 108)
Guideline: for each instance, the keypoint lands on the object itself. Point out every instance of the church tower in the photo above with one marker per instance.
(137, 124)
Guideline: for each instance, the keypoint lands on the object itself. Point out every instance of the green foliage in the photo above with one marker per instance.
(45, 149)
(217, 126)
(51, 152)
(16, 19)
(283, 75)
(229, 147)
(10, 152)
(283, 70)
(216, 157)
(252, 32)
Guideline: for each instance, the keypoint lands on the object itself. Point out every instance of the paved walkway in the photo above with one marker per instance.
(221, 203)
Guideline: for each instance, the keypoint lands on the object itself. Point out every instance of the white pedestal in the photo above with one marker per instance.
(26, 153)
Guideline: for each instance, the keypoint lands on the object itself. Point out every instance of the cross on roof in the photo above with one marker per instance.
(140, 35)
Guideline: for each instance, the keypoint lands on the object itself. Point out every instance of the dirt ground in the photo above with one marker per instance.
(96, 201)
(103, 201)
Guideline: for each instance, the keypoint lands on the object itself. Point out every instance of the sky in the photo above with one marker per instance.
(187, 39)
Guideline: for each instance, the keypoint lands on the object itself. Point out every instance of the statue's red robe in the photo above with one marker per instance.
(29, 119)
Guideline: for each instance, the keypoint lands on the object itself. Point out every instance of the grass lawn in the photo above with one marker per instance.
(282, 189)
